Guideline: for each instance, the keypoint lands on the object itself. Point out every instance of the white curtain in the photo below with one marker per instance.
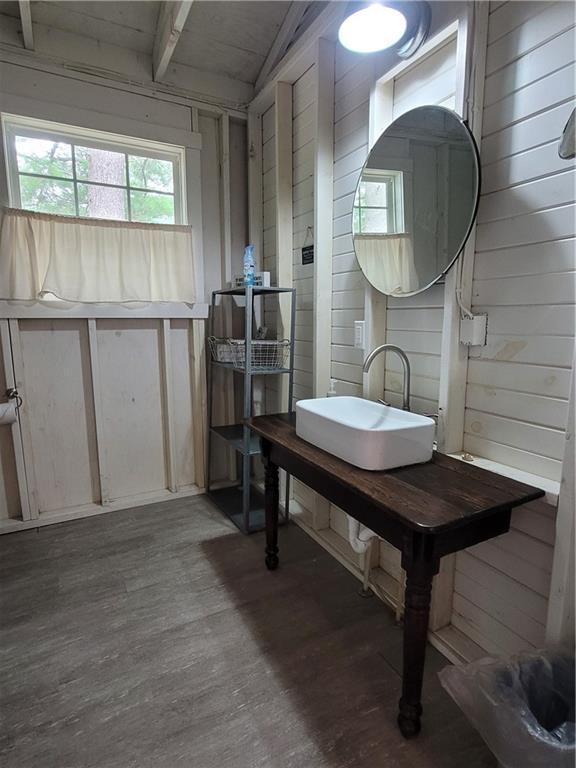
(388, 262)
(91, 260)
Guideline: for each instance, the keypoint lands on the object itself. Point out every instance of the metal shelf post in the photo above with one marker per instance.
(244, 503)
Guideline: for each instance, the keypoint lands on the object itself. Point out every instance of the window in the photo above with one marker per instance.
(59, 169)
(378, 206)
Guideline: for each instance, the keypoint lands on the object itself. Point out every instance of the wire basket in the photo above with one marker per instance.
(265, 354)
(221, 350)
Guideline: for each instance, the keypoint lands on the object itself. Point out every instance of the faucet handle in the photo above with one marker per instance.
(383, 402)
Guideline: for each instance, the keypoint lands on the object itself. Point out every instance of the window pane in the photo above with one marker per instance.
(47, 158)
(100, 165)
(102, 202)
(374, 220)
(150, 173)
(152, 207)
(376, 193)
(47, 195)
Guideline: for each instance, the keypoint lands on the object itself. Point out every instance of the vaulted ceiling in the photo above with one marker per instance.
(239, 39)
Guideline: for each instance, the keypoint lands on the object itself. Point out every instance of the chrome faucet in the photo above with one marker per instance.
(405, 364)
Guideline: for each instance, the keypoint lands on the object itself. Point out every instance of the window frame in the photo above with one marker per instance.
(394, 180)
(16, 125)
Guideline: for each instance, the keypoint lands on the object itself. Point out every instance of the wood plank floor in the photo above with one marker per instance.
(155, 638)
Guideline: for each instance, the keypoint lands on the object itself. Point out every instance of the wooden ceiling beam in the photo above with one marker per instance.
(171, 22)
(26, 21)
(282, 40)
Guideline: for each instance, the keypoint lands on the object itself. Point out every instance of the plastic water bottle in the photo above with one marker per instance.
(249, 265)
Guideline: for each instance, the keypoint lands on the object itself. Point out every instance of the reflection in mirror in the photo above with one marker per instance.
(416, 201)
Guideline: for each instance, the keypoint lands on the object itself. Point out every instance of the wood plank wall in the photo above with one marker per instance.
(415, 323)
(269, 193)
(303, 149)
(141, 459)
(303, 145)
(271, 390)
(518, 384)
(353, 80)
(524, 268)
(9, 496)
(98, 416)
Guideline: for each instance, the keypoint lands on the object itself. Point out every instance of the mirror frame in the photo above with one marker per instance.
(476, 153)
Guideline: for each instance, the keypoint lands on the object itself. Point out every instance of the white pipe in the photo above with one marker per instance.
(359, 539)
(367, 568)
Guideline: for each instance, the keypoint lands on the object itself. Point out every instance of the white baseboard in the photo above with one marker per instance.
(11, 525)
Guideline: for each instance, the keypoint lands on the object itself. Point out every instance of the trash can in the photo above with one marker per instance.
(522, 707)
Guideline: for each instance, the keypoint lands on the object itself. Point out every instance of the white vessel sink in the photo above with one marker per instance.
(366, 434)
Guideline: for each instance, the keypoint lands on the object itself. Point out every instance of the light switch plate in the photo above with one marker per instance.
(359, 334)
(473, 330)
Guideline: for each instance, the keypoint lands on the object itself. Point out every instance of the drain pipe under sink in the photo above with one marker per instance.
(361, 540)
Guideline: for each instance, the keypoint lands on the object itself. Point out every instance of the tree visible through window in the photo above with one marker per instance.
(62, 175)
(377, 205)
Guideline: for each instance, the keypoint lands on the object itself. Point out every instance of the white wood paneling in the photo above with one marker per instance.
(525, 264)
(501, 587)
(30, 511)
(268, 155)
(549, 21)
(303, 150)
(131, 386)
(431, 81)
(68, 41)
(199, 397)
(351, 103)
(524, 280)
(96, 379)
(560, 619)
(517, 385)
(132, 440)
(528, 259)
(56, 364)
(269, 193)
(415, 323)
(13, 499)
(185, 419)
(284, 220)
(536, 131)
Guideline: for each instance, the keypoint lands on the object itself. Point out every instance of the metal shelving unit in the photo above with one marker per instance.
(244, 503)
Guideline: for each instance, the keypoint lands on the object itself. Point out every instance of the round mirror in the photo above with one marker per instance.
(416, 201)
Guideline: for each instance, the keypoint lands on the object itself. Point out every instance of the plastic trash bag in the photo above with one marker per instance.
(522, 707)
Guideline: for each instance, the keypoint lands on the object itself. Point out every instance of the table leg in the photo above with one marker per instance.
(420, 570)
(271, 503)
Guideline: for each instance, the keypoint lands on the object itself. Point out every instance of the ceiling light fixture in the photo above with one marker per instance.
(372, 27)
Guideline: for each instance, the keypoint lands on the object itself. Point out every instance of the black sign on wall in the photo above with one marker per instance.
(308, 254)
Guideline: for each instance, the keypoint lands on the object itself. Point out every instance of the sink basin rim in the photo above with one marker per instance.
(413, 420)
(361, 437)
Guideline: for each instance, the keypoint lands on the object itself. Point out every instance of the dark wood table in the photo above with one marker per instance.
(424, 510)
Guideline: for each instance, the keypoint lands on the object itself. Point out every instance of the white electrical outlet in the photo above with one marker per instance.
(359, 334)
(473, 330)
